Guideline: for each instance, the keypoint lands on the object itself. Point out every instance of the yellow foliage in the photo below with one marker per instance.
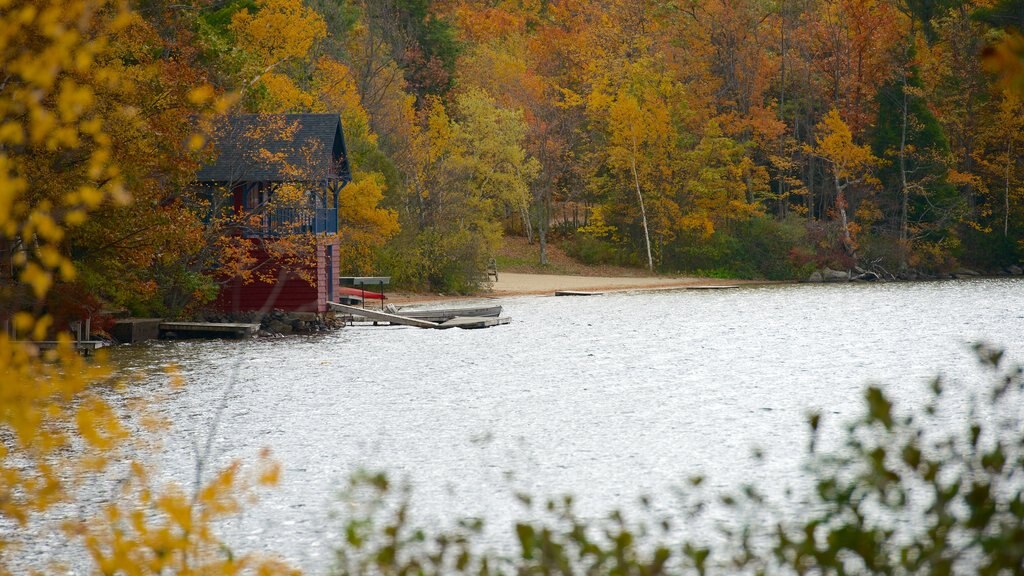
(337, 92)
(1006, 58)
(47, 50)
(159, 530)
(598, 226)
(58, 102)
(280, 30)
(850, 162)
(362, 225)
(283, 95)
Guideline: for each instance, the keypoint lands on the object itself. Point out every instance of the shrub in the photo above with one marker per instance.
(595, 251)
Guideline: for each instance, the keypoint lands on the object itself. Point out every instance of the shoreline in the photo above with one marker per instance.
(512, 284)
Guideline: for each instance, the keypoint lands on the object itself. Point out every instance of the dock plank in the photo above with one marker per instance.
(202, 329)
(381, 316)
(85, 347)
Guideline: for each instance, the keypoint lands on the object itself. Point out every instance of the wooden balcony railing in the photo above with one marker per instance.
(285, 221)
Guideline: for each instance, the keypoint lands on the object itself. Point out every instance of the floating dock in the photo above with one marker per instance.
(85, 347)
(207, 330)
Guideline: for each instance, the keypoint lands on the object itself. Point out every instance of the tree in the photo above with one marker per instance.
(851, 165)
(907, 132)
(637, 108)
(631, 128)
(719, 179)
(854, 43)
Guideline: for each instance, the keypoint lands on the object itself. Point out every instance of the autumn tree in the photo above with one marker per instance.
(851, 166)
(721, 184)
(911, 138)
(633, 128)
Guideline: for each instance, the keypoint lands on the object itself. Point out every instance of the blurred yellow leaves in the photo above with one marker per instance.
(152, 529)
(1006, 58)
(58, 119)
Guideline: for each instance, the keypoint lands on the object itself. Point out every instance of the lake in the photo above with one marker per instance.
(607, 397)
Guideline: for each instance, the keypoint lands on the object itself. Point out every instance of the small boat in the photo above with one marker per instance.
(445, 314)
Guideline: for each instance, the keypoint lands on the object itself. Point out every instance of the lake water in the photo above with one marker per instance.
(607, 397)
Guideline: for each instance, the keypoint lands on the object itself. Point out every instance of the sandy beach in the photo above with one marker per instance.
(521, 284)
(515, 283)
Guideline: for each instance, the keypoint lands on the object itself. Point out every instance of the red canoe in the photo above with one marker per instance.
(349, 291)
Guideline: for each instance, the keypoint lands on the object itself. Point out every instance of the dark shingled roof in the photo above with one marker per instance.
(302, 147)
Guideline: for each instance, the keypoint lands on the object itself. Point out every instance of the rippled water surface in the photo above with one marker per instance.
(607, 397)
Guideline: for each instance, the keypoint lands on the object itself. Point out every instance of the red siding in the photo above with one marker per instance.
(292, 293)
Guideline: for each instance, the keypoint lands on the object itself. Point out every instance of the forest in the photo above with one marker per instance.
(732, 138)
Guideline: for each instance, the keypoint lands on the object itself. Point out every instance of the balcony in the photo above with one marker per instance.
(287, 221)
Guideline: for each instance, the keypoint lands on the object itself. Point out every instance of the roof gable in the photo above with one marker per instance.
(278, 148)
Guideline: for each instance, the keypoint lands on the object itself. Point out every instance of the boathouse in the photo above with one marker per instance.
(279, 176)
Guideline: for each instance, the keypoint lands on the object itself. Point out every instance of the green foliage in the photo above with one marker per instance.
(596, 251)
(1005, 14)
(215, 37)
(927, 11)
(760, 247)
(219, 18)
(991, 251)
(450, 262)
(930, 489)
(932, 199)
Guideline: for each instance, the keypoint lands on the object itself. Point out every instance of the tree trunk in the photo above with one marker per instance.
(809, 198)
(542, 224)
(905, 192)
(843, 220)
(1006, 193)
(542, 237)
(643, 216)
(524, 213)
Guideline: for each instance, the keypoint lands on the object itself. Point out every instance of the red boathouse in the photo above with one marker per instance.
(276, 177)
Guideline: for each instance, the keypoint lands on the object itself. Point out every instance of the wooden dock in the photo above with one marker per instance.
(85, 347)
(207, 330)
(380, 316)
(576, 293)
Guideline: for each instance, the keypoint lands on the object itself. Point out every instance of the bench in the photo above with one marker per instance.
(492, 269)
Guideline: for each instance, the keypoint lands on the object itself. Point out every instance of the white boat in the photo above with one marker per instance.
(444, 314)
